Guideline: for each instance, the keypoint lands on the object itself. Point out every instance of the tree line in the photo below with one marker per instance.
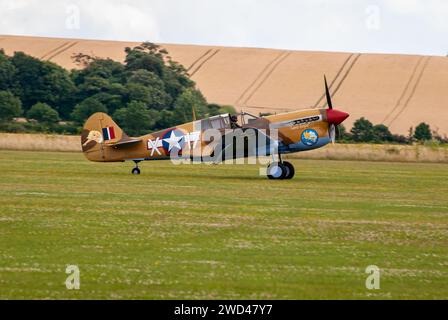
(364, 131)
(149, 91)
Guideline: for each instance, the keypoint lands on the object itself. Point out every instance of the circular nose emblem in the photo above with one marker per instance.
(309, 137)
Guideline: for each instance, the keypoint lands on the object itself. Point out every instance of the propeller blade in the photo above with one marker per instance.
(327, 93)
(332, 131)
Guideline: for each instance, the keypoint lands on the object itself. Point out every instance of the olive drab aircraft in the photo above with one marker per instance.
(217, 139)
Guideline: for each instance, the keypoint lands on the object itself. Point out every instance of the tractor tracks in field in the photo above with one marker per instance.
(339, 79)
(54, 50)
(253, 83)
(334, 80)
(202, 60)
(261, 78)
(408, 92)
(58, 50)
(195, 62)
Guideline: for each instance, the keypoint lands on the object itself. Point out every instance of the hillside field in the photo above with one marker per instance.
(221, 232)
(399, 91)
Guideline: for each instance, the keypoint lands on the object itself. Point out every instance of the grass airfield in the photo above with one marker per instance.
(221, 232)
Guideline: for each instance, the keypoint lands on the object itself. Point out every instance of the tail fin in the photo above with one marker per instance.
(99, 129)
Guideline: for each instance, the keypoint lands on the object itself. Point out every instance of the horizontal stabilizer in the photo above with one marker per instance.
(125, 143)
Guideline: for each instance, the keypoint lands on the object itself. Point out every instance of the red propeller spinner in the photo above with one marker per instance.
(334, 117)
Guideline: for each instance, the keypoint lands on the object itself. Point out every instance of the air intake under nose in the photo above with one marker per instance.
(336, 117)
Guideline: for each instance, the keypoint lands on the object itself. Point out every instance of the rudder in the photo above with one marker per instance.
(98, 130)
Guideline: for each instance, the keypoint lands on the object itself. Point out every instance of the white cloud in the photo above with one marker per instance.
(100, 19)
(120, 20)
(405, 26)
(432, 12)
(404, 6)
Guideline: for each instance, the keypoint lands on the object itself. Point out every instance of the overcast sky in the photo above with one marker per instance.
(385, 26)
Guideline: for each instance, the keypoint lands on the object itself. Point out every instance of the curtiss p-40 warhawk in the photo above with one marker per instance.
(217, 139)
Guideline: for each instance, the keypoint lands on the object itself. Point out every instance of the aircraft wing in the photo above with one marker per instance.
(263, 134)
(262, 143)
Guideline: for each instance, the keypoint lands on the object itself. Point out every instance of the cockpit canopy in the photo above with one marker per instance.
(247, 118)
(224, 121)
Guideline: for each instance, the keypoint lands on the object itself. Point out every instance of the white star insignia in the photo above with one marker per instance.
(173, 141)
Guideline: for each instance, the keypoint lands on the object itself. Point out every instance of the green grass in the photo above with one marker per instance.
(206, 232)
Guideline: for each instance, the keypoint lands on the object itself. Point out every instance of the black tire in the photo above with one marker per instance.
(277, 171)
(290, 170)
(136, 171)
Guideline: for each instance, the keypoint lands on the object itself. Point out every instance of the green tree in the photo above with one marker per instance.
(382, 133)
(108, 69)
(136, 119)
(7, 72)
(153, 58)
(136, 59)
(92, 85)
(153, 97)
(42, 81)
(226, 109)
(86, 108)
(148, 56)
(398, 138)
(214, 109)
(343, 134)
(102, 77)
(146, 78)
(166, 120)
(110, 100)
(362, 130)
(183, 107)
(10, 106)
(99, 79)
(422, 132)
(149, 75)
(43, 113)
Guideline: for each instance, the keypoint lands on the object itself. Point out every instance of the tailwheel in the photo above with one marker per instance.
(277, 171)
(136, 170)
(290, 170)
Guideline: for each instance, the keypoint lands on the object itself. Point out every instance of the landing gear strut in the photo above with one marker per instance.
(136, 170)
(280, 170)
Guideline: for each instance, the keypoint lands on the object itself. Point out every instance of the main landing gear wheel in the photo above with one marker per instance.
(136, 170)
(281, 170)
(277, 171)
(290, 170)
